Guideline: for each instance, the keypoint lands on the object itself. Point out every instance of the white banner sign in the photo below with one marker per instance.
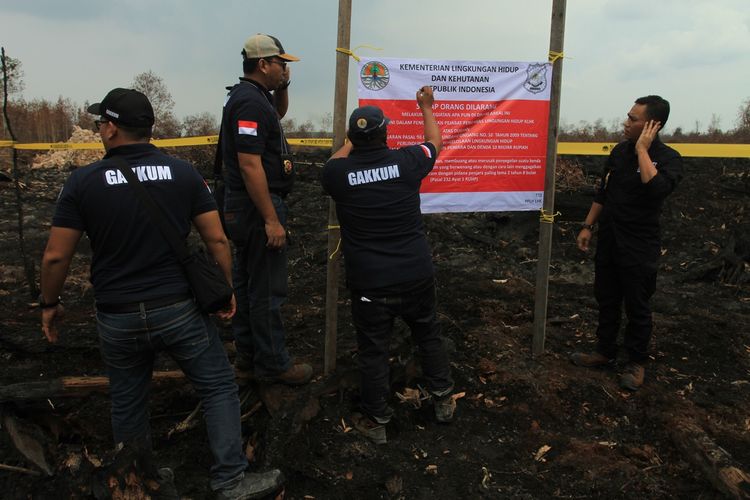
(493, 117)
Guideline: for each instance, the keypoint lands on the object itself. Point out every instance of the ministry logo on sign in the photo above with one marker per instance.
(536, 78)
(374, 75)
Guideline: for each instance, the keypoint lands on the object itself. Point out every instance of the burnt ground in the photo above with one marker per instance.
(525, 428)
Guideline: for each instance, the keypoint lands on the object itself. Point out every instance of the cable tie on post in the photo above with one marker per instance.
(348, 53)
(554, 56)
(338, 245)
(546, 217)
(351, 53)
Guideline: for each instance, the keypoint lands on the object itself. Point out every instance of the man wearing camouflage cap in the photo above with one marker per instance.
(259, 174)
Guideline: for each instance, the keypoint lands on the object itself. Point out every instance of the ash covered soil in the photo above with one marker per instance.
(525, 427)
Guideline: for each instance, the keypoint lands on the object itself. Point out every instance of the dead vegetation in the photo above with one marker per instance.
(525, 428)
(71, 158)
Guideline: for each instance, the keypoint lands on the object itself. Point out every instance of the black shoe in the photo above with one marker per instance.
(164, 488)
(370, 429)
(253, 485)
(444, 408)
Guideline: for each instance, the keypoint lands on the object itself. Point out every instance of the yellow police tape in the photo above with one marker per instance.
(685, 149)
(164, 143)
(318, 142)
(563, 148)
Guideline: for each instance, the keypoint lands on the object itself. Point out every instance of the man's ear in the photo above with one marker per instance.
(110, 130)
(115, 130)
(263, 66)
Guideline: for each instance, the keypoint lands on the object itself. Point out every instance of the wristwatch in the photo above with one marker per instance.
(48, 305)
(590, 227)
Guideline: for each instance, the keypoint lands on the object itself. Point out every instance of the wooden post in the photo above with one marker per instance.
(28, 263)
(557, 36)
(333, 256)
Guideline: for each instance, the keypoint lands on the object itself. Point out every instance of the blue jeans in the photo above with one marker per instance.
(129, 343)
(260, 286)
(373, 317)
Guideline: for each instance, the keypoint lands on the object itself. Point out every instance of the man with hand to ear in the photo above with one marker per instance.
(639, 174)
(259, 174)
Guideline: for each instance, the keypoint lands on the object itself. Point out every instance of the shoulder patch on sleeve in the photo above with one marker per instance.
(247, 127)
(426, 150)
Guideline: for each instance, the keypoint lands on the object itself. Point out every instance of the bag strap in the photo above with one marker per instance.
(157, 216)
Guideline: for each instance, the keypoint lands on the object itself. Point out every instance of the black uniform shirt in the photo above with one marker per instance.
(629, 229)
(131, 261)
(376, 191)
(251, 125)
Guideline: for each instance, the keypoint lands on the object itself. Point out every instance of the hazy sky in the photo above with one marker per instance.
(695, 53)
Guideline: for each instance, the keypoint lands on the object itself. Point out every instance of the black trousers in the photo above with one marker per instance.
(632, 285)
(373, 318)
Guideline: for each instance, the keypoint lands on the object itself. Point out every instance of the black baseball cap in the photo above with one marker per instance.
(367, 119)
(125, 107)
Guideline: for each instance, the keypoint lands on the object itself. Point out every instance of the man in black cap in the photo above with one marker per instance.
(259, 174)
(388, 259)
(143, 301)
(640, 173)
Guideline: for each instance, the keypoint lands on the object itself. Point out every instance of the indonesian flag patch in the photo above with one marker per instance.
(247, 128)
(426, 150)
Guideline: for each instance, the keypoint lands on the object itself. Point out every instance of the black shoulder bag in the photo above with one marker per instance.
(210, 288)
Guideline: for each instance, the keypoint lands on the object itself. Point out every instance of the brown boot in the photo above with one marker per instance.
(298, 374)
(632, 377)
(591, 360)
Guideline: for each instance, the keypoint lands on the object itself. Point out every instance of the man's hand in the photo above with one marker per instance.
(55, 263)
(647, 135)
(286, 78)
(425, 100)
(584, 239)
(50, 317)
(425, 97)
(227, 313)
(276, 235)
